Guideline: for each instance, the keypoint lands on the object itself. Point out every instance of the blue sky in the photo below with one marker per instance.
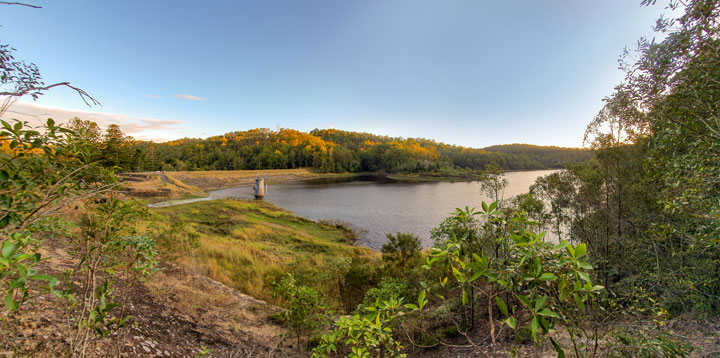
(467, 72)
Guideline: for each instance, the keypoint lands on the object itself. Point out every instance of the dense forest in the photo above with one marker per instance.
(327, 150)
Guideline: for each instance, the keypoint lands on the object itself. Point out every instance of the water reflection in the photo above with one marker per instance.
(379, 205)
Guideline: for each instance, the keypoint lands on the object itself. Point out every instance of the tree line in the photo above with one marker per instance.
(327, 150)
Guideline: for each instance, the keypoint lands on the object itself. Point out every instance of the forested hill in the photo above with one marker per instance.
(327, 150)
(548, 156)
(335, 151)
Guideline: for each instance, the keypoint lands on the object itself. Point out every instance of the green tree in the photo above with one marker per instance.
(493, 182)
(558, 189)
(401, 249)
(655, 184)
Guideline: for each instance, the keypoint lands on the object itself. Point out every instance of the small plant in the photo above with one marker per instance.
(305, 310)
(113, 257)
(368, 333)
(204, 351)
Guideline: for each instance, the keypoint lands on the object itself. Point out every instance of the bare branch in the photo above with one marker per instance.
(21, 4)
(40, 115)
(88, 99)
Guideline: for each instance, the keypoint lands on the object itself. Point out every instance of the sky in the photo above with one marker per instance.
(466, 72)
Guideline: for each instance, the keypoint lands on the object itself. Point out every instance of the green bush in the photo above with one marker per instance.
(305, 310)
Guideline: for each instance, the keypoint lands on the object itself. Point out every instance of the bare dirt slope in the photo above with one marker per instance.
(176, 314)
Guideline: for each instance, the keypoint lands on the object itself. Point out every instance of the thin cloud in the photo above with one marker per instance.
(143, 128)
(188, 97)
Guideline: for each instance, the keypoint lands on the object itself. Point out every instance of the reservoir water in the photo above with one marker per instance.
(377, 206)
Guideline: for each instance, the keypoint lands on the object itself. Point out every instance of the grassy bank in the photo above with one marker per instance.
(248, 244)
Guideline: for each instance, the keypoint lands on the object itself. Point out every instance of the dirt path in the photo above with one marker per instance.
(163, 204)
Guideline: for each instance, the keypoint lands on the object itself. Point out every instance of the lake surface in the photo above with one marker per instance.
(377, 206)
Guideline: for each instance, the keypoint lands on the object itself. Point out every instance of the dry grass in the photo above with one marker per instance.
(156, 189)
(248, 244)
(215, 179)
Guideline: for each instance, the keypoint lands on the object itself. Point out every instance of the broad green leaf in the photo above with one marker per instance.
(548, 313)
(411, 306)
(543, 323)
(534, 327)
(10, 303)
(571, 250)
(580, 250)
(578, 301)
(547, 276)
(540, 302)
(9, 248)
(501, 305)
(525, 300)
(457, 274)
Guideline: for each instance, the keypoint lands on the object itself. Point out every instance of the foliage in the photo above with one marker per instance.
(549, 282)
(647, 206)
(113, 256)
(41, 171)
(44, 171)
(305, 312)
(557, 189)
(493, 183)
(463, 224)
(368, 333)
(401, 250)
(332, 150)
(388, 288)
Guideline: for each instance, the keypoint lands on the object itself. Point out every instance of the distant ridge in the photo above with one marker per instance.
(333, 150)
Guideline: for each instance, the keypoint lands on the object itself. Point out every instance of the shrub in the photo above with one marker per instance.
(401, 249)
(305, 310)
